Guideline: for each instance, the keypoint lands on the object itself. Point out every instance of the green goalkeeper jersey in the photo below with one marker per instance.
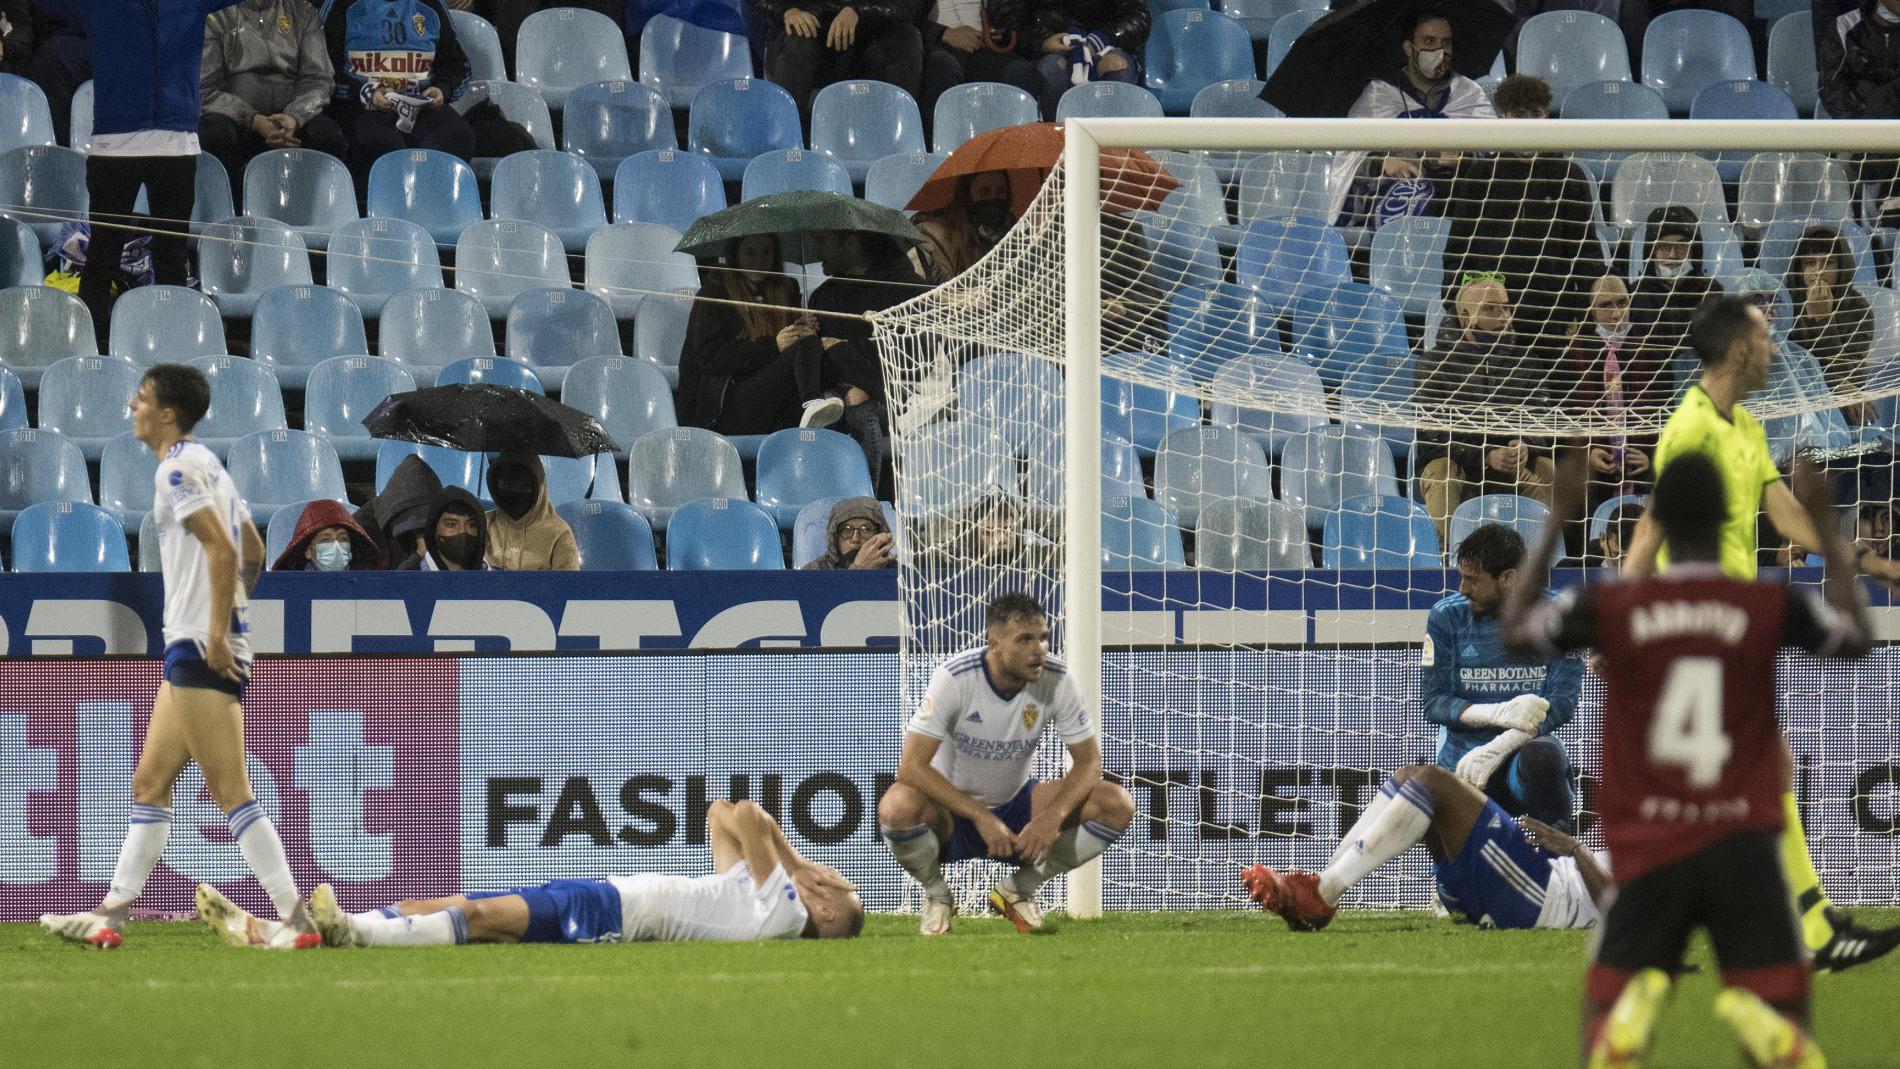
(1740, 451)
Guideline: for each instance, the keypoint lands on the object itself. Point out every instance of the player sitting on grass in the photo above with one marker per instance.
(1486, 869)
(963, 788)
(760, 888)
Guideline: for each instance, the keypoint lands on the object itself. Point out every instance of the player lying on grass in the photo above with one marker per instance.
(760, 888)
(1486, 867)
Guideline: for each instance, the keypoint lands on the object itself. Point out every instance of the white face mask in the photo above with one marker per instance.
(1888, 17)
(333, 556)
(1613, 334)
(1429, 60)
(1675, 270)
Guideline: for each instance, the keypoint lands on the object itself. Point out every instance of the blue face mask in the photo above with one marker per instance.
(333, 556)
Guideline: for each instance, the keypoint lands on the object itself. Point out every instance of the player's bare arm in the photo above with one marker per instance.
(250, 556)
(222, 566)
(914, 771)
(1072, 791)
(1840, 579)
(1566, 508)
(1595, 879)
(1639, 560)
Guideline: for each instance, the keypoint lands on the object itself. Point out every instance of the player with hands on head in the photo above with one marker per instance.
(963, 787)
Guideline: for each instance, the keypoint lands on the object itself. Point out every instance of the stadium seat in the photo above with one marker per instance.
(893, 180)
(1600, 519)
(295, 328)
(1779, 308)
(666, 469)
(1349, 324)
(1328, 465)
(668, 187)
(1750, 100)
(1645, 181)
(734, 121)
(794, 168)
(1181, 255)
(1685, 51)
(722, 534)
(12, 400)
(811, 531)
(608, 121)
(1380, 531)
(1568, 49)
(39, 327)
(499, 260)
(431, 189)
(628, 261)
(280, 528)
(610, 536)
(20, 263)
(481, 43)
(659, 331)
(149, 560)
(276, 468)
(213, 203)
(1104, 100)
(559, 49)
(801, 464)
(46, 185)
(678, 58)
(25, 118)
(1778, 242)
(856, 122)
(1721, 251)
(344, 389)
(1792, 185)
(950, 465)
(553, 328)
(1379, 385)
(427, 328)
(964, 111)
(245, 399)
(1408, 260)
(1287, 29)
(518, 104)
(79, 119)
(1281, 259)
(1610, 100)
(1289, 382)
(1189, 50)
(68, 536)
(1233, 98)
(1208, 328)
(557, 190)
(455, 467)
(372, 260)
(1200, 199)
(306, 190)
(1144, 414)
(84, 399)
(1139, 534)
(38, 466)
(1015, 397)
(495, 370)
(1260, 15)
(127, 472)
(567, 479)
(1521, 514)
(629, 397)
(1274, 185)
(154, 324)
(1199, 465)
(1043, 484)
(1251, 536)
(240, 260)
(1791, 63)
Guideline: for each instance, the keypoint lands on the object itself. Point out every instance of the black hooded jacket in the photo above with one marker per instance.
(1859, 64)
(1661, 308)
(445, 498)
(1124, 22)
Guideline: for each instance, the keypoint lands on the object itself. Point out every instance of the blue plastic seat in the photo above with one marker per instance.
(1200, 199)
(668, 187)
(1380, 531)
(1600, 519)
(1043, 484)
(659, 332)
(69, 536)
(428, 328)
(856, 122)
(12, 400)
(1521, 514)
(1328, 465)
(307, 190)
(127, 472)
(950, 465)
(213, 202)
(79, 120)
(499, 260)
(1290, 385)
(1260, 15)
(431, 189)
(20, 263)
(25, 118)
(893, 180)
(610, 536)
(1199, 465)
(1104, 100)
(1791, 62)
(39, 327)
(1251, 536)
(159, 324)
(455, 467)
(1280, 259)
(668, 468)
(84, 398)
(551, 329)
(1645, 181)
(1572, 48)
(1182, 255)
(678, 58)
(811, 532)
(734, 121)
(38, 466)
(562, 48)
(554, 189)
(1144, 414)
(1233, 98)
(295, 328)
(1138, 534)
(497, 370)
(372, 260)
(628, 261)
(1285, 31)
(46, 184)
(722, 534)
(794, 168)
(606, 122)
(1189, 50)
(1013, 396)
(1610, 100)
(344, 389)
(1348, 324)
(1207, 328)
(245, 399)
(1748, 100)
(1408, 261)
(481, 42)
(1686, 51)
(568, 479)
(240, 260)
(801, 464)
(964, 111)
(629, 397)
(1792, 185)
(276, 468)
(518, 104)
(1278, 184)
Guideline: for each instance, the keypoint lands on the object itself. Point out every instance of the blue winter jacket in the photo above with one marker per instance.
(145, 60)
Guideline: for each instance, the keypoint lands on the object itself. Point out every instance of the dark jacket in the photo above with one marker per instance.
(401, 511)
(405, 45)
(365, 554)
(716, 353)
(444, 498)
(1661, 308)
(871, 13)
(845, 511)
(1124, 22)
(145, 58)
(1528, 218)
(893, 280)
(1469, 376)
(1841, 339)
(1859, 65)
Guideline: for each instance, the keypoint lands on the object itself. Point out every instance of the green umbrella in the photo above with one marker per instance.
(793, 215)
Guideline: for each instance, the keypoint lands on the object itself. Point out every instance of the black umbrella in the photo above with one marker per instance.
(484, 418)
(1333, 60)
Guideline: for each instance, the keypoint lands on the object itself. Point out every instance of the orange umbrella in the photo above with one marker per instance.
(1131, 179)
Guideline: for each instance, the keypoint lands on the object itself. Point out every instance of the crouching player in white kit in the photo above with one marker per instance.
(963, 788)
(760, 888)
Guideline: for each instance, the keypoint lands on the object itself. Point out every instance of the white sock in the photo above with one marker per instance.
(1370, 814)
(916, 849)
(446, 928)
(1072, 848)
(1403, 821)
(145, 835)
(257, 840)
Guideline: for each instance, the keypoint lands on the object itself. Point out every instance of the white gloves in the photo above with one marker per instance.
(1477, 766)
(1523, 713)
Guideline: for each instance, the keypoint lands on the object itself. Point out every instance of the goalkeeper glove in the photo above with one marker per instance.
(1477, 766)
(1523, 713)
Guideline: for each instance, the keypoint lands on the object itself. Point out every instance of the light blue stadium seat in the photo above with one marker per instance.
(1042, 484)
(1208, 328)
(240, 260)
(295, 328)
(1328, 465)
(1375, 393)
(1200, 199)
(25, 118)
(431, 189)
(1792, 185)
(213, 203)
(372, 260)
(801, 464)
(1408, 260)
(79, 121)
(12, 400)
(46, 184)
(628, 261)
(68, 536)
(668, 468)
(84, 398)
(276, 468)
(629, 397)
(20, 263)
(499, 260)
(1101, 100)
(149, 561)
(307, 190)
(1188, 50)
(1524, 515)
(856, 122)
(811, 532)
(1277, 184)
(1280, 259)
(1746, 100)
(964, 111)
(1337, 328)
(606, 122)
(559, 49)
(38, 466)
(1260, 15)
(1778, 242)
(667, 186)
(1145, 414)
(610, 536)
(495, 370)
(1686, 51)
(455, 467)
(1791, 62)
(950, 465)
(1645, 181)
(1139, 534)
(1286, 381)
(39, 327)
(1380, 531)
(1600, 519)
(1199, 465)
(736, 120)
(893, 180)
(1251, 536)
(1182, 255)
(1610, 100)
(159, 324)
(1568, 49)
(518, 104)
(659, 332)
(344, 389)
(1233, 98)
(554, 189)
(245, 399)
(551, 329)
(1287, 29)
(794, 168)
(481, 43)
(722, 534)
(677, 58)
(1014, 396)
(127, 473)
(428, 328)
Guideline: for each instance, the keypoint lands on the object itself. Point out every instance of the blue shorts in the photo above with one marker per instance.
(1498, 877)
(966, 844)
(566, 911)
(185, 667)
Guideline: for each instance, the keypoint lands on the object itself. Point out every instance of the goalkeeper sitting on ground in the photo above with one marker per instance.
(1497, 715)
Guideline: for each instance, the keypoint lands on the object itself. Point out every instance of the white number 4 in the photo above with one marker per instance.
(1687, 729)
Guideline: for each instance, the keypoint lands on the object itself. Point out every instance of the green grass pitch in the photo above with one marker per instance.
(1150, 990)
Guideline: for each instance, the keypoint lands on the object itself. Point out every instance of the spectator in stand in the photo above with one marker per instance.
(386, 53)
(1616, 535)
(50, 50)
(524, 532)
(399, 516)
(864, 273)
(817, 42)
(16, 38)
(328, 539)
(856, 537)
(1672, 285)
(1483, 367)
(456, 538)
(1832, 322)
(957, 236)
(1858, 56)
(1613, 377)
(266, 80)
(960, 47)
(1074, 41)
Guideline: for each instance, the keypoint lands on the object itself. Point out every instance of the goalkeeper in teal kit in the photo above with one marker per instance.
(1497, 716)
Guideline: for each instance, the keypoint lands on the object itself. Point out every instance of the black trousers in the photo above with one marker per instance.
(772, 397)
(236, 145)
(112, 183)
(803, 65)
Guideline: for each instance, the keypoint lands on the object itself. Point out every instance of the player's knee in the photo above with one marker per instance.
(1409, 772)
(1112, 803)
(1430, 777)
(148, 789)
(1111, 63)
(901, 807)
(1541, 760)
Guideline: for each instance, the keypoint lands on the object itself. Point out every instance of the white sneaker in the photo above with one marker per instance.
(88, 928)
(936, 918)
(1021, 912)
(331, 921)
(822, 412)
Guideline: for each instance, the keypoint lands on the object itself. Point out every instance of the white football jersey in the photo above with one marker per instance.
(191, 479)
(1567, 902)
(989, 738)
(722, 907)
